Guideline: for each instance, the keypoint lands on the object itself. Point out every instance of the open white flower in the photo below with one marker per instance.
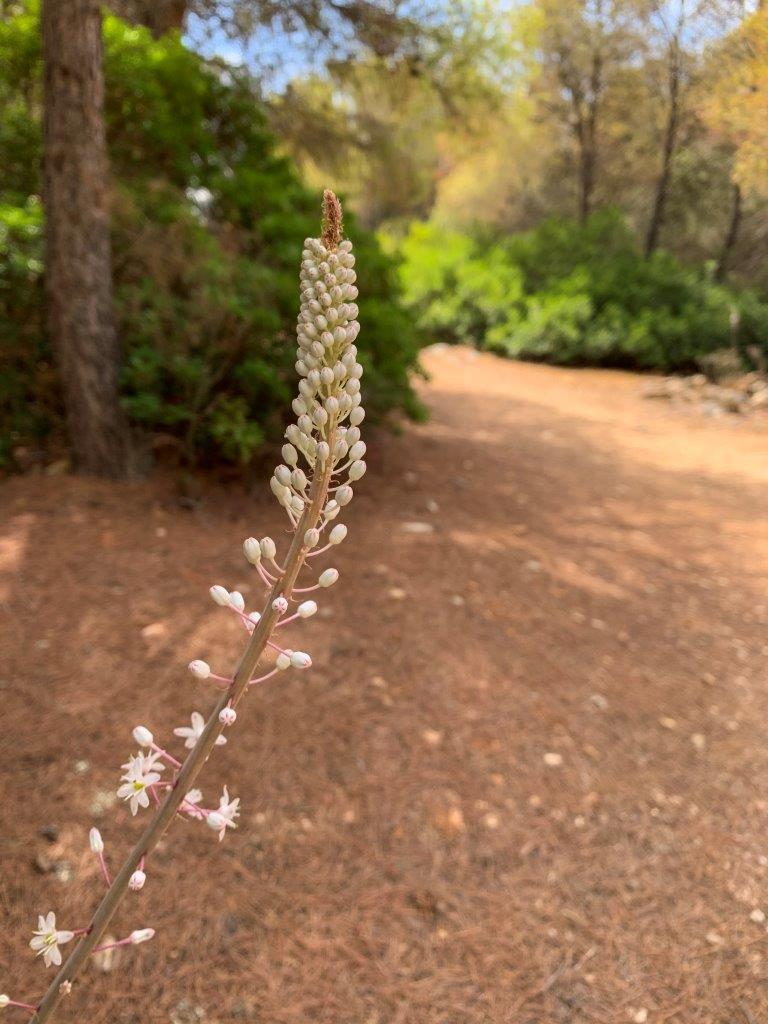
(192, 733)
(224, 817)
(48, 938)
(142, 772)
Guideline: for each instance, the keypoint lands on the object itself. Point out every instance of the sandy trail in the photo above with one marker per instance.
(526, 780)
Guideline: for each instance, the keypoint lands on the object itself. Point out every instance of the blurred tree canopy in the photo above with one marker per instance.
(208, 222)
(501, 128)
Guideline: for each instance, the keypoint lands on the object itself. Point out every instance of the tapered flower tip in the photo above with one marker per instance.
(220, 595)
(143, 736)
(95, 841)
(328, 578)
(280, 605)
(237, 601)
(201, 669)
(142, 935)
(136, 881)
(252, 550)
(268, 547)
(332, 220)
(300, 659)
(227, 716)
(306, 609)
(337, 534)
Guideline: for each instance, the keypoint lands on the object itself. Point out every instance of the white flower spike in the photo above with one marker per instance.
(321, 460)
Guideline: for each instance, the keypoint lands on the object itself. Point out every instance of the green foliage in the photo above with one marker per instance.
(208, 224)
(574, 295)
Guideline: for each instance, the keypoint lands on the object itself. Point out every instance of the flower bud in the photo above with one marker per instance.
(337, 534)
(300, 659)
(331, 405)
(280, 605)
(283, 474)
(344, 495)
(290, 454)
(254, 618)
(328, 578)
(320, 416)
(282, 661)
(357, 416)
(4, 1001)
(357, 470)
(311, 538)
(220, 595)
(201, 669)
(237, 601)
(299, 406)
(323, 451)
(306, 609)
(357, 451)
(136, 882)
(227, 716)
(352, 435)
(299, 479)
(142, 935)
(143, 736)
(268, 547)
(304, 424)
(95, 841)
(252, 550)
(326, 375)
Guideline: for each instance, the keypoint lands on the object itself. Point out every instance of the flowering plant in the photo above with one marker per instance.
(323, 457)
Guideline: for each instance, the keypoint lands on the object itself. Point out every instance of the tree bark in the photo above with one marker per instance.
(661, 194)
(732, 235)
(78, 273)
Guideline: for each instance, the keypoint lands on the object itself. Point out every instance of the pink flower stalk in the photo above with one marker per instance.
(321, 445)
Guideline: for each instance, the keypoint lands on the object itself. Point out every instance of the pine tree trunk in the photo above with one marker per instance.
(661, 194)
(78, 254)
(729, 244)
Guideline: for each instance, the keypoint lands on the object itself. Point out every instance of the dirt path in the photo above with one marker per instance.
(527, 780)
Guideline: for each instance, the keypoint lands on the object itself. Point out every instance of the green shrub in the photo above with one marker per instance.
(574, 295)
(208, 223)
